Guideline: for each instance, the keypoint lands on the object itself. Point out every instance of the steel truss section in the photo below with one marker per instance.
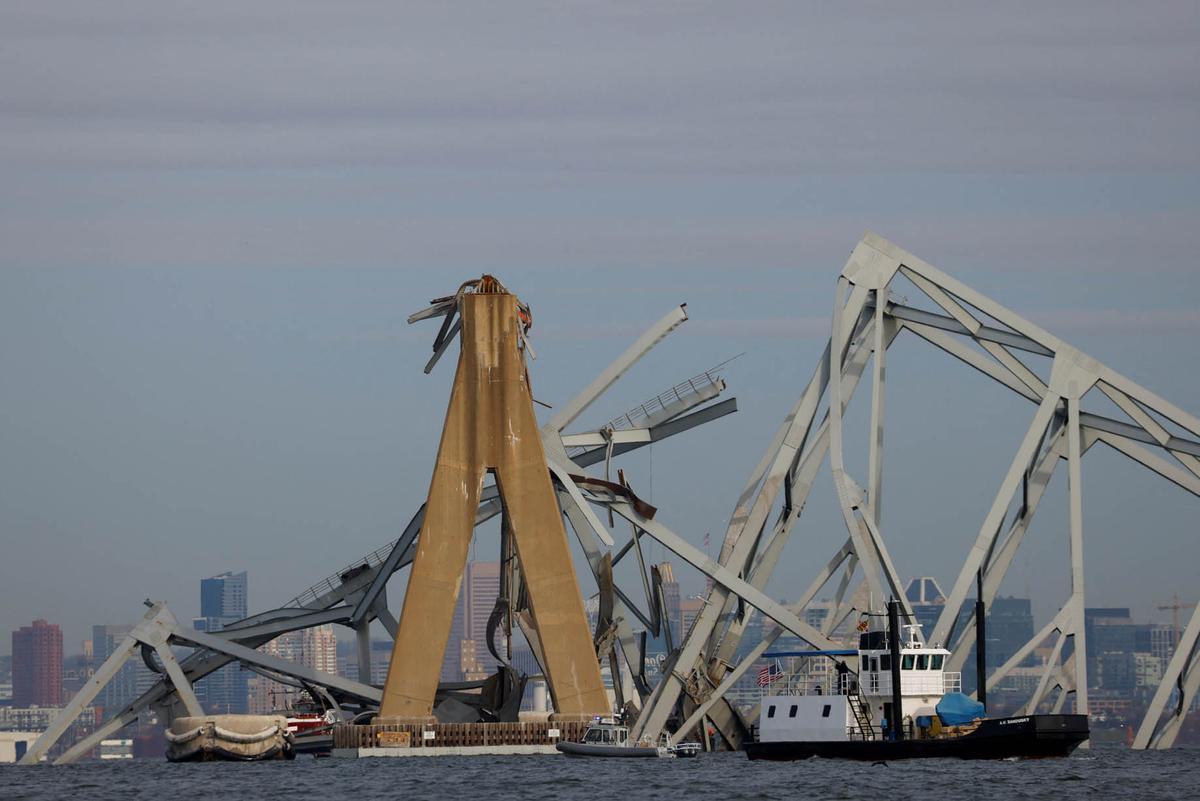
(867, 318)
(356, 596)
(159, 632)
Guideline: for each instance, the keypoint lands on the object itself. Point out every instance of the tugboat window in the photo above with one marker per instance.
(885, 662)
(923, 662)
(825, 711)
(771, 711)
(792, 711)
(906, 662)
(937, 661)
(866, 663)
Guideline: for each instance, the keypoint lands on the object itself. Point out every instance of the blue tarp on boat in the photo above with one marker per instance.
(956, 709)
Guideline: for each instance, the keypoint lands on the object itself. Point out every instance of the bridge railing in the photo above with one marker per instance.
(332, 582)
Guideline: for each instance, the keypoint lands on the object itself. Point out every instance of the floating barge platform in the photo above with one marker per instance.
(351, 741)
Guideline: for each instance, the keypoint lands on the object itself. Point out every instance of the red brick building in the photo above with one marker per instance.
(37, 671)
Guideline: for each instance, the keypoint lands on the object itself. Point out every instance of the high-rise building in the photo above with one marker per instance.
(223, 600)
(314, 648)
(752, 634)
(476, 600)
(688, 609)
(452, 658)
(1156, 639)
(1111, 637)
(817, 612)
(927, 601)
(1009, 626)
(224, 596)
(37, 669)
(1147, 669)
(481, 586)
(381, 658)
(671, 612)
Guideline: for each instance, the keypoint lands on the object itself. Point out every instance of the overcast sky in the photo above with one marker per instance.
(215, 218)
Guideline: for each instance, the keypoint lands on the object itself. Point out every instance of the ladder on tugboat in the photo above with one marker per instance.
(860, 715)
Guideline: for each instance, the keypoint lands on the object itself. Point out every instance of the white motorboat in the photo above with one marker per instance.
(611, 739)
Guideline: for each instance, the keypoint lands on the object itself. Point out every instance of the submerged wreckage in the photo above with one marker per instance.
(494, 460)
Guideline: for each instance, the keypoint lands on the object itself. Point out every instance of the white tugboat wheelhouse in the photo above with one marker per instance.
(844, 706)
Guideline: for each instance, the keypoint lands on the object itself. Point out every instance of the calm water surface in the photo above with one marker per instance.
(1100, 773)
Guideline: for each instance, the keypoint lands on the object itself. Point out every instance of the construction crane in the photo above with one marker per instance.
(1175, 606)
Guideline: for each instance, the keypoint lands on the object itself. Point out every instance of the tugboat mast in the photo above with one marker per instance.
(980, 641)
(896, 718)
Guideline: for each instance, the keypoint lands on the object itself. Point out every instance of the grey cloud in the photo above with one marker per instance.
(1163, 321)
(1067, 322)
(709, 87)
(755, 250)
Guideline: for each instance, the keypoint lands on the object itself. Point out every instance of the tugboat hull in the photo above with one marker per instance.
(1030, 737)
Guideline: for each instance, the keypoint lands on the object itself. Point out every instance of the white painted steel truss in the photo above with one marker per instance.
(698, 673)
(1015, 353)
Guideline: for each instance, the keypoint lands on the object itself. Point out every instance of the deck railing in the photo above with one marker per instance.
(695, 390)
(681, 391)
(331, 583)
(872, 683)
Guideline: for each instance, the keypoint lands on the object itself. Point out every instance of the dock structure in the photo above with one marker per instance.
(543, 474)
(453, 739)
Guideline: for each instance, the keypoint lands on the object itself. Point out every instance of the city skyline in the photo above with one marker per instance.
(1126, 658)
(104, 637)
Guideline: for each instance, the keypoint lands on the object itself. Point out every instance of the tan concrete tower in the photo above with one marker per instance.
(490, 426)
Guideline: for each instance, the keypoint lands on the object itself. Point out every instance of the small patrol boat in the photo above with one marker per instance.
(611, 739)
(902, 704)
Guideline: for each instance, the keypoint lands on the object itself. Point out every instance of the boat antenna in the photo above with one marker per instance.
(980, 641)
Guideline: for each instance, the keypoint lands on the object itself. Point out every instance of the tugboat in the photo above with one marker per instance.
(932, 718)
(311, 730)
(607, 738)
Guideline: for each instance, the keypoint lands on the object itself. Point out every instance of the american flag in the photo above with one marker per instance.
(768, 673)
